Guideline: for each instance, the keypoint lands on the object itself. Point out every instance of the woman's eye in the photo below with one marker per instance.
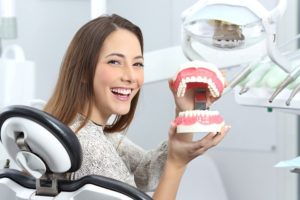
(139, 64)
(113, 62)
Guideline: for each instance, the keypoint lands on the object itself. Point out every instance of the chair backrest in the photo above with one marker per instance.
(46, 150)
(202, 180)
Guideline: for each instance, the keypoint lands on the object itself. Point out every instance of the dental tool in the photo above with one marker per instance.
(292, 95)
(246, 70)
(255, 77)
(289, 79)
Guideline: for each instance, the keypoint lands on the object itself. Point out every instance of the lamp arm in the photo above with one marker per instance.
(272, 50)
(188, 50)
(278, 11)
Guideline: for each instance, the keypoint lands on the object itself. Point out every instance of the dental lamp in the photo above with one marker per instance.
(235, 33)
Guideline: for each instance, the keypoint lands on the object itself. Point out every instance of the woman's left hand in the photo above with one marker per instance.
(187, 102)
(182, 149)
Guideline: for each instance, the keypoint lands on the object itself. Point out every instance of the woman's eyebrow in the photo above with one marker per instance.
(123, 56)
(116, 54)
(139, 57)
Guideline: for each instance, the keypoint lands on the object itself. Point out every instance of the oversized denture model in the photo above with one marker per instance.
(203, 77)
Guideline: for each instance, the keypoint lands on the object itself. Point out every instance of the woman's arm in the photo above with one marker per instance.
(180, 152)
(169, 182)
(147, 166)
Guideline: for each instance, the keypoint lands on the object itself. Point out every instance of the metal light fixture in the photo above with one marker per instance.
(234, 33)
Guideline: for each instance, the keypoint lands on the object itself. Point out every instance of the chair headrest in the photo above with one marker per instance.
(37, 141)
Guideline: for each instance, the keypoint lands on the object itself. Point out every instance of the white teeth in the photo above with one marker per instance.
(193, 79)
(195, 113)
(199, 79)
(211, 85)
(123, 91)
(187, 80)
(207, 65)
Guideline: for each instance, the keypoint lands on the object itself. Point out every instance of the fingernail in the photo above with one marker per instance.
(227, 127)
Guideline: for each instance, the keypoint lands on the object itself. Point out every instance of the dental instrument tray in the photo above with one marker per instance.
(269, 86)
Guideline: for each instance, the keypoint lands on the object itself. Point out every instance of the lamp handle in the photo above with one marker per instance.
(279, 10)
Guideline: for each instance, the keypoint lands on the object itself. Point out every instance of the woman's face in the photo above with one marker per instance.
(119, 74)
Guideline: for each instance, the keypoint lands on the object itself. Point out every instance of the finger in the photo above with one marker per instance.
(172, 130)
(187, 137)
(205, 142)
(199, 152)
(170, 81)
(198, 148)
(219, 137)
(208, 137)
(210, 140)
(224, 75)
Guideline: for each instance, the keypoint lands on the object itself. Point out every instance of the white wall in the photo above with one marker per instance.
(45, 28)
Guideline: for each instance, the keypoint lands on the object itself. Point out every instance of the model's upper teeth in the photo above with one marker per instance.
(121, 91)
(211, 85)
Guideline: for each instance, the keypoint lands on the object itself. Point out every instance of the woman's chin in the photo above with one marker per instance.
(122, 111)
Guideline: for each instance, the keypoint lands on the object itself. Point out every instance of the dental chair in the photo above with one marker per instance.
(47, 152)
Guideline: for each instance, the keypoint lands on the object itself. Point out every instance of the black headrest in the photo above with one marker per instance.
(46, 137)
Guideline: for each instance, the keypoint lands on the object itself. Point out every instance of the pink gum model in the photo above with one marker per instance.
(201, 76)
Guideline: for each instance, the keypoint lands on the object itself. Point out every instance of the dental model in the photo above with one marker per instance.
(204, 78)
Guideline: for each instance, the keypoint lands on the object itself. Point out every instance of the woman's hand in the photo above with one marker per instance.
(183, 103)
(187, 102)
(182, 149)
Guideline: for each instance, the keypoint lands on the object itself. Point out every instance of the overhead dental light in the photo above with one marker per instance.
(235, 33)
(230, 29)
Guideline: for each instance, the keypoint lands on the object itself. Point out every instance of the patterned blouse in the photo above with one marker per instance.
(114, 155)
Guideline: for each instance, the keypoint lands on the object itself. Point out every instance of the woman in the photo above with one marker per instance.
(97, 94)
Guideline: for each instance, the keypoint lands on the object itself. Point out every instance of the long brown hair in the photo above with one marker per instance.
(74, 88)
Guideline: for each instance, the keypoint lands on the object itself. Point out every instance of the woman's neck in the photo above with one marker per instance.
(98, 119)
(96, 116)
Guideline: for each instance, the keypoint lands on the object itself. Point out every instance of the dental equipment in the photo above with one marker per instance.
(205, 79)
(46, 150)
(272, 79)
(246, 70)
(255, 77)
(292, 76)
(232, 30)
(292, 95)
(259, 68)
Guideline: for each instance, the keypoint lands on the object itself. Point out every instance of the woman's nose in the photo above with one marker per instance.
(129, 74)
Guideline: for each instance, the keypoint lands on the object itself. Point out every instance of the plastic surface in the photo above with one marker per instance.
(45, 136)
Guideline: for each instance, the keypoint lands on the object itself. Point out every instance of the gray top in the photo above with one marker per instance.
(114, 155)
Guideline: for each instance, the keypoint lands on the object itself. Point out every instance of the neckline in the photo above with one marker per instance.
(96, 123)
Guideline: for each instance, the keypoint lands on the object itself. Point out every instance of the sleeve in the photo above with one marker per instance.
(147, 166)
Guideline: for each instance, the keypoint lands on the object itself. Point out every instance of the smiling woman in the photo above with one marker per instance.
(119, 71)
(101, 76)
